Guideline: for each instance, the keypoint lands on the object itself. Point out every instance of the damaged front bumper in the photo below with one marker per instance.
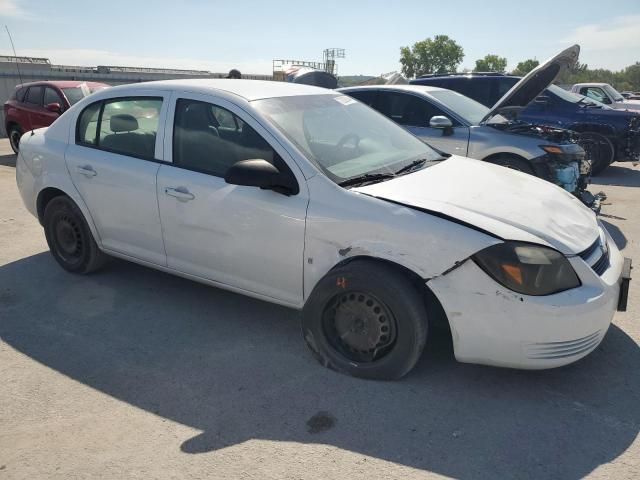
(568, 167)
(495, 326)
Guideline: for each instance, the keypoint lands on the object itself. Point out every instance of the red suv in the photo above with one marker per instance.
(38, 104)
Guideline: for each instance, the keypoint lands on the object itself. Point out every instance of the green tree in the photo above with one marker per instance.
(438, 55)
(491, 63)
(525, 67)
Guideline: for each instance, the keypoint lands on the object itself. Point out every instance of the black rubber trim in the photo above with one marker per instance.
(439, 215)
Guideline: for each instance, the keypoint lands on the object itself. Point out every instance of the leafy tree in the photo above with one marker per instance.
(438, 55)
(525, 67)
(491, 63)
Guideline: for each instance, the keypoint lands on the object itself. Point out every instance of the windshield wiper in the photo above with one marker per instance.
(366, 178)
(410, 166)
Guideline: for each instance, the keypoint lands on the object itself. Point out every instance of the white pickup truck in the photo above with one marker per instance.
(605, 93)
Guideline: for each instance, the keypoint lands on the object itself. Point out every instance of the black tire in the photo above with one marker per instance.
(14, 132)
(513, 162)
(69, 237)
(599, 148)
(380, 302)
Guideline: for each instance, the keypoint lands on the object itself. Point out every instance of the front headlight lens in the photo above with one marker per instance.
(528, 269)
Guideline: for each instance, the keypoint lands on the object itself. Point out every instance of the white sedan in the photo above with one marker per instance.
(307, 198)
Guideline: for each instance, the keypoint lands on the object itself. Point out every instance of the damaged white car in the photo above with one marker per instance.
(304, 197)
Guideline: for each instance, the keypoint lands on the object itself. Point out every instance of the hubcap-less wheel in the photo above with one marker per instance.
(359, 326)
(14, 139)
(68, 239)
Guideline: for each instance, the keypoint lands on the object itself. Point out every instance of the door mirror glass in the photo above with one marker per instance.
(259, 173)
(440, 121)
(53, 107)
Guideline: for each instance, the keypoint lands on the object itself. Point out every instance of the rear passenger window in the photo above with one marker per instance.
(34, 96)
(87, 127)
(20, 94)
(129, 126)
(210, 139)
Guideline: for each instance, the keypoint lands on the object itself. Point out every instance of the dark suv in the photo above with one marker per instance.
(38, 104)
(614, 134)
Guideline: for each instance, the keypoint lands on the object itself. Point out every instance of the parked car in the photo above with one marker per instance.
(38, 104)
(608, 135)
(605, 93)
(305, 197)
(459, 125)
(631, 95)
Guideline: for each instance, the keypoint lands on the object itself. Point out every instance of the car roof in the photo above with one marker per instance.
(590, 84)
(406, 88)
(467, 75)
(247, 89)
(61, 83)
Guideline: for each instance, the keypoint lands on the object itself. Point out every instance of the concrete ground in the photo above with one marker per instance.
(132, 373)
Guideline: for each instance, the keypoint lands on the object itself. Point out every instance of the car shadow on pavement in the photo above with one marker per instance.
(618, 236)
(8, 160)
(237, 369)
(618, 174)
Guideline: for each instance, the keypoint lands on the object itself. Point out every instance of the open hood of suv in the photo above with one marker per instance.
(534, 83)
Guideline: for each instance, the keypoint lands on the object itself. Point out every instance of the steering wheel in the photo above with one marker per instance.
(349, 136)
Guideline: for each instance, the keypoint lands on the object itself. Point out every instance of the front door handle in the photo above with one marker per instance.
(87, 171)
(181, 193)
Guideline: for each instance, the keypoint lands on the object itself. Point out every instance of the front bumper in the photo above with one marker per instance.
(492, 325)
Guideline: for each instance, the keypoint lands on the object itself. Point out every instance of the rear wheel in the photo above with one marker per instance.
(599, 150)
(14, 133)
(69, 237)
(367, 320)
(512, 162)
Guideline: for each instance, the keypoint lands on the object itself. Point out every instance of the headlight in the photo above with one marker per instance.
(528, 269)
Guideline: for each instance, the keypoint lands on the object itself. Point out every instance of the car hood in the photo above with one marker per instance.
(534, 83)
(505, 203)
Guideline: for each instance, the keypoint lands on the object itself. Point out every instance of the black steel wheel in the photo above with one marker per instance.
(360, 326)
(367, 319)
(513, 162)
(14, 137)
(69, 237)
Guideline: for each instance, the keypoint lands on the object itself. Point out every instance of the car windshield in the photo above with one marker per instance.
(343, 137)
(570, 96)
(470, 110)
(613, 93)
(75, 94)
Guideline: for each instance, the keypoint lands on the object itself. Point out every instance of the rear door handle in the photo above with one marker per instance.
(87, 171)
(181, 193)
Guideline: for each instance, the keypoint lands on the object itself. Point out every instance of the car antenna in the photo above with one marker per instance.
(14, 53)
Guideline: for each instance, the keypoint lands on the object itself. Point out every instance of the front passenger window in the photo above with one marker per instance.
(210, 139)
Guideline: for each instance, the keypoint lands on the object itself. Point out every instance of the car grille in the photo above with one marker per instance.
(598, 263)
(569, 348)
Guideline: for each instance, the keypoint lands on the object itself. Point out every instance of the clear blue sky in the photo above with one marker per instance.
(219, 35)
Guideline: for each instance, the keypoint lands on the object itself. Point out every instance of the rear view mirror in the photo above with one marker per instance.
(440, 121)
(260, 173)
(53, 107)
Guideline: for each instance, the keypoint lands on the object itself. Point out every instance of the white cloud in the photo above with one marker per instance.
(94, 57)
(613, 44)
(10, 8)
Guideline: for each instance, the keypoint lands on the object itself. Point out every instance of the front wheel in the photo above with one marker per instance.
(14, 133)
(69, 237)
(367, 320)
(599, 150)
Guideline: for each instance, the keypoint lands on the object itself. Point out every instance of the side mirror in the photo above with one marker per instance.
(440, 121)
(53, 107)
(606, 100)
(262, 174)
